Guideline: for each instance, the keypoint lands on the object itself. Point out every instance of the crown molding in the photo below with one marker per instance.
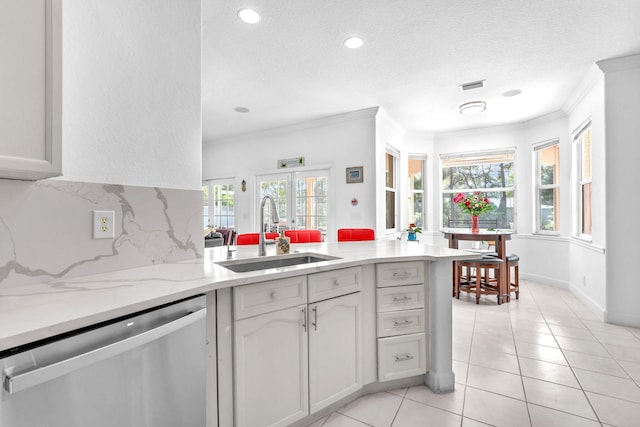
(619, 64)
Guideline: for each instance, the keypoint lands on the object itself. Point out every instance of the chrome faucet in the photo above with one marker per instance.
(262, 250)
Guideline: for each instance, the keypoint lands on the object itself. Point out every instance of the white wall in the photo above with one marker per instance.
(335, 142)
(132, 92)
(587, 263)
(622, 113)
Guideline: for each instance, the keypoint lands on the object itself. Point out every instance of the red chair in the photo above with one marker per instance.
(253, 238)
(304, 236)
(355, 234)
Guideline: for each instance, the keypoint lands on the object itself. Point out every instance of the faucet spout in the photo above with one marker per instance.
(262, 250)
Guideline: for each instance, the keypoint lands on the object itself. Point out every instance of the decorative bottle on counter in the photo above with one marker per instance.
(282, 244)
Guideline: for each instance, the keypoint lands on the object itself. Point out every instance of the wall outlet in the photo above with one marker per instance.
(103, 224)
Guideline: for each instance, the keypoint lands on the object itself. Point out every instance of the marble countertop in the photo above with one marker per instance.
(33, 312)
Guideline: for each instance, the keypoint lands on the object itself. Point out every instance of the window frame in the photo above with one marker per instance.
(411, 191)
(470, 155)
(539, 187)
(579, 183)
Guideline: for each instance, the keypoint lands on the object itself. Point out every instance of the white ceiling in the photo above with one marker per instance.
(292, 66)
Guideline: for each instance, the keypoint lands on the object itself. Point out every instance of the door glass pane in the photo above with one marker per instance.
(391, 209)
(311, 203)
(276, 188)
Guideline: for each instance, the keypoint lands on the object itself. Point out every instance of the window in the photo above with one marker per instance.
(416, 191)
(309, 197)
(390, 190)
(219, 204)
(582, 159)
(547, 191)
(492, 173)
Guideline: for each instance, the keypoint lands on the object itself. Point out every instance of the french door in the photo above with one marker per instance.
(302, 199)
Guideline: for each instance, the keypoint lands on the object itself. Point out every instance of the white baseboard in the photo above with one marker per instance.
(590, 303)
(622, 319)
(545, 280)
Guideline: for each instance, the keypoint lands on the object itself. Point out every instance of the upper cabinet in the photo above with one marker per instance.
(30, 89)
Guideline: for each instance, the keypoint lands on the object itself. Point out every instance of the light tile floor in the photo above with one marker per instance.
(543, 360)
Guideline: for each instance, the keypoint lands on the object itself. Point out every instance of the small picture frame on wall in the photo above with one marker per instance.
(355, 175)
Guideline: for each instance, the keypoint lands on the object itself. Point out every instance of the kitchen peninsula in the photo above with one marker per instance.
(372, 274)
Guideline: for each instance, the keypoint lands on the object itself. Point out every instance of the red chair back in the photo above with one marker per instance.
(304, 236)
(355, 234)
(253, 238)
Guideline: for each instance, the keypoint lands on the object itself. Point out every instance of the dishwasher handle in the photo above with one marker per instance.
(23, 381)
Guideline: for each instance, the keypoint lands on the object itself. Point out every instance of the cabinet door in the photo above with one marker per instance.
(335, 349)
(270, 362)
(30, 88)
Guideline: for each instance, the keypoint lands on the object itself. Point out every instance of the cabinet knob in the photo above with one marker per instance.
(336, 283)
(273, 294)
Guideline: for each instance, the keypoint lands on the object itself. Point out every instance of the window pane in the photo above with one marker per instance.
(415, 209)
(586, 154)
(586, 209)
(549, 165)
(390, 178)
(391, 209)
(278, 190)
(415, 174)
(495, 175)
(549, 209)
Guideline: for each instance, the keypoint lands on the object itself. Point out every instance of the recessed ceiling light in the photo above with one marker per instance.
(513, 92)
(473, 107)
(241, 110)
(249, 16)
(353, 42)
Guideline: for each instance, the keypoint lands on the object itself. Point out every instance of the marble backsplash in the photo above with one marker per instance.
(46, 229)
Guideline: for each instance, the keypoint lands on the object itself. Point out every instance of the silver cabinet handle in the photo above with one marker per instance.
(404, 322)
(304, 318)
(39, 375)
(403, 357)
(404, 298)
(315, 318)
(400, 275)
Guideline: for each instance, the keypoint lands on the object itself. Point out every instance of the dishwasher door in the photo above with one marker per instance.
(143, 370)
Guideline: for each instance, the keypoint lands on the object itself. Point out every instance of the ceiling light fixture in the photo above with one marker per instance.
(249, 16)
(353, 42)
(513, 92)
(241, 110)
(473, 107)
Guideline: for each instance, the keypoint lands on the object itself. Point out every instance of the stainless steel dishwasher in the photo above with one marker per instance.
(147, 369)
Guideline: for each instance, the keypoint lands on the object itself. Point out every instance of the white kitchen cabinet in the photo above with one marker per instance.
(30, 84)
(402, 320)
(271, 368)
(335, 350)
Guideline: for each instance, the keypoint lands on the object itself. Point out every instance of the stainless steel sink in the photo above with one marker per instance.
(264, 263)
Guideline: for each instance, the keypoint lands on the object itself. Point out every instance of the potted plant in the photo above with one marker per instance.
(412, 230)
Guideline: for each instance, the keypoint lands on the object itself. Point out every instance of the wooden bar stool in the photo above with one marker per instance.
(480, 281)
(512, 280)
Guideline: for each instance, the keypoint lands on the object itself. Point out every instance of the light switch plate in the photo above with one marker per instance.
(103, 224)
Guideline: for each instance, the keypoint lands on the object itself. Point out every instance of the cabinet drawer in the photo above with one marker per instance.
(399, 273)
(400, 298)
(403, 322)
(402, 356)
(334, 283)
(259, 298)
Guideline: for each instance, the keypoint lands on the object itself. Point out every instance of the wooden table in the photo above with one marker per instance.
(500, 237)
